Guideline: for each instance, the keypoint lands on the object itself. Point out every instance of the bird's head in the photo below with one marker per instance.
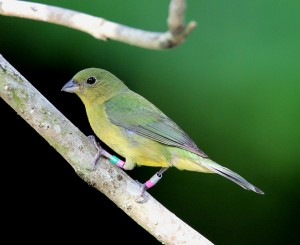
(94, 84)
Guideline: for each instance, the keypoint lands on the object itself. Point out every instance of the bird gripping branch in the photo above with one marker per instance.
(137, 130)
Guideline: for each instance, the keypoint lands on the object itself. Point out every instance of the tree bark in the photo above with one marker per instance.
(79, 151)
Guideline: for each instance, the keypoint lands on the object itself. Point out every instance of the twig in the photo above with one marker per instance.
(104, 29)
(78, 150)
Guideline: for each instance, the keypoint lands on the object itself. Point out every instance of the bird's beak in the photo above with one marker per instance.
(70, 87)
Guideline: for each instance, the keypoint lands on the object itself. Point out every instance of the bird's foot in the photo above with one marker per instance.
(142, 196)
(113, 159)
(99, 151)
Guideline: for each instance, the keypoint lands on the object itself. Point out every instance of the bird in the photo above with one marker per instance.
(138, 131)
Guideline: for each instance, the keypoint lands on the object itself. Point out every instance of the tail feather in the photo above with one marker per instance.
(227, 173)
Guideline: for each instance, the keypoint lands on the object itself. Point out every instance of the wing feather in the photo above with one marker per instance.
(133, 112)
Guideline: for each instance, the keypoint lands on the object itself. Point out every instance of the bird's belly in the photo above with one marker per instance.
(130, 145)
(136, 148)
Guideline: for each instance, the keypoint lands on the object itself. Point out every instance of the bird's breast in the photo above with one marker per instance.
(126, 143)
(106, 131)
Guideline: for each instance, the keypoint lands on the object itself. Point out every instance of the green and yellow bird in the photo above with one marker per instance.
(137, 130)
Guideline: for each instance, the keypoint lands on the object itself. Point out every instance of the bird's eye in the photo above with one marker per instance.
(91, 80)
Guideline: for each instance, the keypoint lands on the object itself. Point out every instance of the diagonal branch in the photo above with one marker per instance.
(78, 150)
(103, 29)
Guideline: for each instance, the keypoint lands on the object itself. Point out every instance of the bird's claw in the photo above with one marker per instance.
(97, 156)
(142, 197)
(92, 167)
(93, 139)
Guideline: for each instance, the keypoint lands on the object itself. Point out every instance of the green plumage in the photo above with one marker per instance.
(137, 130)
(134, 113)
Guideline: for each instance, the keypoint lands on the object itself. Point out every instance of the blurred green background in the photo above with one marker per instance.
(233, 86)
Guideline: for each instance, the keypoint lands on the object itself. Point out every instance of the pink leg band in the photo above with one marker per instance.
(120, 163)
(149, 184)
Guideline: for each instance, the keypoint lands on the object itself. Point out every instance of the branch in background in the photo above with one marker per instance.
(104, 29)
(78, 150)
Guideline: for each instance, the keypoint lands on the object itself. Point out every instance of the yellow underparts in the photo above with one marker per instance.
(140, 150)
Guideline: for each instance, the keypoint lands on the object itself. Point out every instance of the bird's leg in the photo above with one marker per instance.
(141, 198)
(99, 150)
(116, 161)
(113, 159)
(154, 179)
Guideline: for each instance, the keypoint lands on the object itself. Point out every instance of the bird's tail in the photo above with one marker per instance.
(227, 173)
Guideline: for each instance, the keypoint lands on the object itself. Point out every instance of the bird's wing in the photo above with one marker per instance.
(133, 112)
